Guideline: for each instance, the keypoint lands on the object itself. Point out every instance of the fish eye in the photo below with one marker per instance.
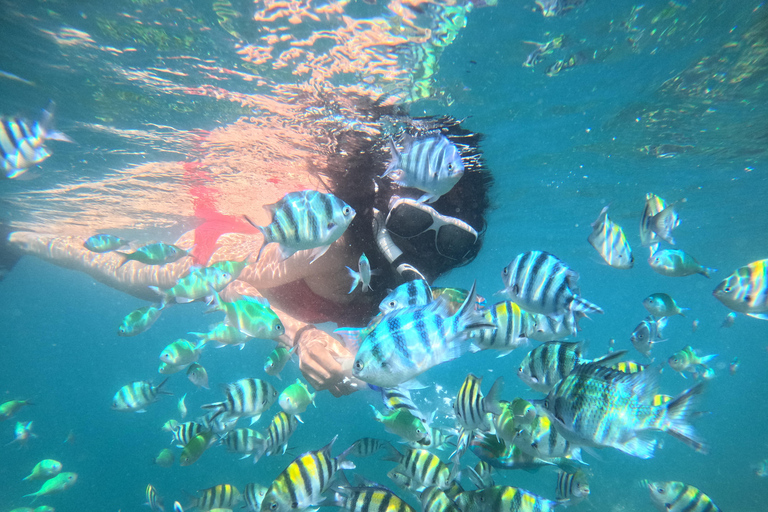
(278, 327)
(535, 446)
(347, 210)
(505, 271)
(359, 365)
(660, 490)
(546, 404)
(727, 289)
(748, 298)
(392, 303)
(273, 506)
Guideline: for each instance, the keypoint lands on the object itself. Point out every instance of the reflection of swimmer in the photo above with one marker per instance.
(401, 237)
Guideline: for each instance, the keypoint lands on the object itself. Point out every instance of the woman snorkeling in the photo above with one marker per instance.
(402, 236)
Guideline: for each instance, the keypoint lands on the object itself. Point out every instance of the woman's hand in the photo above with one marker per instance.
(326, 363)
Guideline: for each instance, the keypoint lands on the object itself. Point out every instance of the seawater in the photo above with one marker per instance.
(666, 97)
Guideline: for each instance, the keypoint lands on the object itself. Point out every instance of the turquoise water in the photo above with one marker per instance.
(668, 98)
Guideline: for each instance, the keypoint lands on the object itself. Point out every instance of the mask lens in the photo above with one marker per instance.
(454, 242)
(406, 221)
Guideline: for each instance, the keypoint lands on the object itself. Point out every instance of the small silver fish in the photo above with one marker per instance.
(677, 263)
(647, 334)
(363, 276)
(609, 241)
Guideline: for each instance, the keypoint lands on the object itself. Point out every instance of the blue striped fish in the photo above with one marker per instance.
(411, 293)
(302, 484)
(431, 164)
(609, 241)
(602, 407)
(245, 398)
(278, 433)
(137, 396)
(409, 341)
(746, 290)
(540, 282)
(680, 497)
(22, 143)
(305, 220)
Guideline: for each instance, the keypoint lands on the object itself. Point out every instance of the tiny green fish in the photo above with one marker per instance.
(11, 407)
(296, 398)
(677, 263)
(138, 321)
(404, 424)
(198, 376)
(104, 243)
(165, 458)
(252, 316)
(661, 304)
(687, 360)
(195, 448)
(181, 352)
(277, 359)
(59, 483)
(23, 433)
(44, 470)
(194, 286)
(154, 254)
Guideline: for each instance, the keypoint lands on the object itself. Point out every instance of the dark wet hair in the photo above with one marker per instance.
(354, 171)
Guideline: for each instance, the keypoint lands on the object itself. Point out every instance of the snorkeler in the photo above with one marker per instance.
(404, 239)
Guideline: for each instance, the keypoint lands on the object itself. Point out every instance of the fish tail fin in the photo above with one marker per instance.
(34, 496)
(707, 271)
(395, 163)
(263, 234)
(468, 318)
(392, 453)
(582, 305)
(704, 360)
(492, 400)
(609, 358)
(677, 414)
(355, 279)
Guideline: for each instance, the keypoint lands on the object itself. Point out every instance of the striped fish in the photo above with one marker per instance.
(139, 320)
(305, 220)
(137, 396)
(154, 501)
(571, 487)
(680, 497)
(423, 468)
(22, 143)
(411, 293)
(540, 282)
(245, 398)
(279, 432)
(550, 362)
(653, 206)
(551, 329)
(503, 498)
(154, 254)
(511, 328)
(629, 367)
(302, 484)
(746, 290)
(609, 241)
(660, 399)
(219, 496)
(243, 440)
(184, 432)
(601, 407)
(398, 398)
(472, 408)
(431, 164)
(540, 440)
(647, 334)
(434, 499)
(369, 499)
(409, 341)
(480, 475)
(366, 446)
(253, 494)
(502, 455)
(252, 316)
(195, 285)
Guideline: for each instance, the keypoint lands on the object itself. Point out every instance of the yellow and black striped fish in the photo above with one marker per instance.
(253, 494)
(370, 499)
(472, 408)
(609, 241)
(512, 326)
(629, 367)
(22, 143)
(243, 440)
(184, 432)
(571, 487)
(302, 484)
(679, 497)
(246, 398)
(422, 467)
(366, 446)
(502, 497)
(746, 290)
(219, 496)
(437, 500)
(137, 396)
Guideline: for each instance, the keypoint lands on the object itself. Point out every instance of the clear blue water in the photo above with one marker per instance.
(691, 89)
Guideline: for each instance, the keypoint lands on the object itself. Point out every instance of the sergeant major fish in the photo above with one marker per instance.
(250, 315)
(687, 360)
(219, 496)
(302, 484)
(194, 286)
(139, 320)
(609, 241)
(104, 243)
(542, 283)
(512, 326)
(245, 398)
(22, 143)
(654, 205)
(571, 487)
(243, 440)
(306, 220)
(431, 164)
(279, 432)
(154, 254)
(409, 341)
(471, 407)
(137, 396)
(153, 500)
(373, 498)
(602, 407)
(746, 290)
(411, 293)
(501, 497)
(680, 497)
(647, 334)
